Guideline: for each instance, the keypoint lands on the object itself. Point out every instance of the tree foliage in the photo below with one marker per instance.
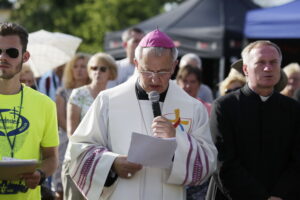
(88, 19)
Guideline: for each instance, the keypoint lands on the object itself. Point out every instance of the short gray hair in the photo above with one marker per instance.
(157, 50)
(127, 34)
(246, 51)
(190, 56)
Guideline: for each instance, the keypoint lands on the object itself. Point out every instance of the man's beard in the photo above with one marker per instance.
(10, 75)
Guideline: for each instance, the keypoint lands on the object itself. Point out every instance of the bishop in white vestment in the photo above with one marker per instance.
(103, 137)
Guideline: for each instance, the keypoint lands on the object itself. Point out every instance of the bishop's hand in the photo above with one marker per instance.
(124, 168)
(163, 128)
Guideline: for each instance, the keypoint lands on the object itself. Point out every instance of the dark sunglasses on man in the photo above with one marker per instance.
(97, 68)
(11, 52)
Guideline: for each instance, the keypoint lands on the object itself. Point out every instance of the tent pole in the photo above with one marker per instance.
(221, 69)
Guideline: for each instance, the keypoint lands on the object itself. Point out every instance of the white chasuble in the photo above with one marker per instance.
(105, 132)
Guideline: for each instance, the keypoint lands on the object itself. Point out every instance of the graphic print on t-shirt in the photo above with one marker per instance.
(13, 130)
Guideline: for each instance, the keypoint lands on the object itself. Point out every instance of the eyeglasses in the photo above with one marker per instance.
(11, 52)
(97, 68)
(149, 74)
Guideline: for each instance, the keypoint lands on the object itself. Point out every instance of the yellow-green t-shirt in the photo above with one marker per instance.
(31, 127)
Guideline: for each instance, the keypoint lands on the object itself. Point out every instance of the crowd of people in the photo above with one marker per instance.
(241, 143)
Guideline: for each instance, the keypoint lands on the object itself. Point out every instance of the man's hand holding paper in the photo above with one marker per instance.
(124, 168)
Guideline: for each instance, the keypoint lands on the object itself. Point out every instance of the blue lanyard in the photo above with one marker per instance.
(12, 143)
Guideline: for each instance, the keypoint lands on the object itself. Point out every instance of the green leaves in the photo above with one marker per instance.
(88, 19)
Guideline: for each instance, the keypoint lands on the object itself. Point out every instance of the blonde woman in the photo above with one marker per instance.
(233, 81)
(27, 77)
(293, 74)
(101, 69)
(75, 75)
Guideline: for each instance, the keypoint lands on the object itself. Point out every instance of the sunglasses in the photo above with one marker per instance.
(101, 68)
(11, 52)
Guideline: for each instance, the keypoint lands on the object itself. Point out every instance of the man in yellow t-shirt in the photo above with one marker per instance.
(28, 123)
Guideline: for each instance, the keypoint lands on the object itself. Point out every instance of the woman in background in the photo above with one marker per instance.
(189, 79)
(233, 81)
(101, 69)
(27, 77)
(293, 74)
(75, 75)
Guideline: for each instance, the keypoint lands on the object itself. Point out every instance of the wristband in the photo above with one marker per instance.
(42, 175)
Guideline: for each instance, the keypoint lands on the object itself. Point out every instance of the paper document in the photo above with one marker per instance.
(151, 151)
(12, 169)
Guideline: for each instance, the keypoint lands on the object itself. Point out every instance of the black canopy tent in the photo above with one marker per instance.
(213, 29)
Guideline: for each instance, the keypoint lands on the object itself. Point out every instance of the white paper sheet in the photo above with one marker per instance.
(151, 151)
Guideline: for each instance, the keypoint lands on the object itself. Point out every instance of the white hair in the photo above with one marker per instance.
(157, 50)
(188, 57)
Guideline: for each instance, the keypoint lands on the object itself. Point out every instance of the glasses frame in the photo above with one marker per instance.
(150, 74)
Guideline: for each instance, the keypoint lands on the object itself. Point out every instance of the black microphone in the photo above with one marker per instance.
(154, 98)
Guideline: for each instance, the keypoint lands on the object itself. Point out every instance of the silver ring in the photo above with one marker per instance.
(129, 175)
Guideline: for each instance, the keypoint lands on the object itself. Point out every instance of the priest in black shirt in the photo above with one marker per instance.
(257, 132)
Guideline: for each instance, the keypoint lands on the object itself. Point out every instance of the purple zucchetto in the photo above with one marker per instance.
(157, 38)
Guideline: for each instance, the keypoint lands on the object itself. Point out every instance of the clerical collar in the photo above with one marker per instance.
(142, 95)
(248, 91)
(263, 98)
